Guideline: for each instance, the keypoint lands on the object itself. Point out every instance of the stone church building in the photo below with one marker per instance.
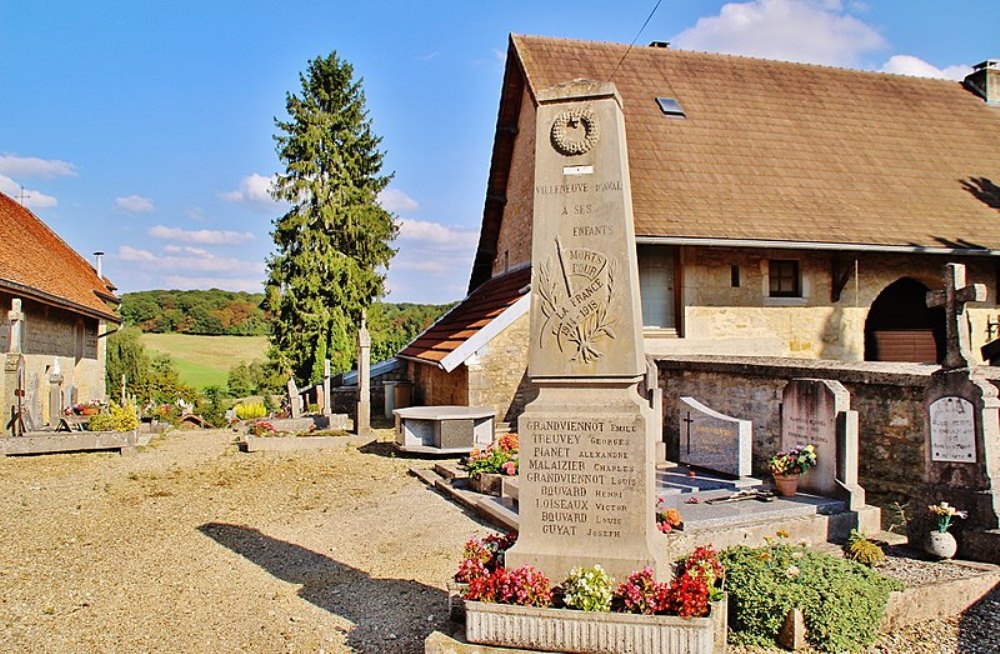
(781, 210)
(66, 310)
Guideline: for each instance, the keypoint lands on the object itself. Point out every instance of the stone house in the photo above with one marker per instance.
(781, 210)
(66, 309)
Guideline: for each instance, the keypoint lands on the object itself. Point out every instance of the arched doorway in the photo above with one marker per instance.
(900, 326)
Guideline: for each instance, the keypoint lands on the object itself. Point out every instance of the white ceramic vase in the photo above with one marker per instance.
(942, 544)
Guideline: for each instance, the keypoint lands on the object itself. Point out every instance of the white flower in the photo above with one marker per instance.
(792, 572)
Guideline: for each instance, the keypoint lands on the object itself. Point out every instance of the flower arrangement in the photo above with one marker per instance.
(667, 521)
(699, 581)
(945, 514)
(499, 458)
(262, 428)
(588, 589)
(795, 461)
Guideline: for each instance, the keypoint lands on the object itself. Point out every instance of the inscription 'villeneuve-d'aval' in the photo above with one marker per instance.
(586, 474)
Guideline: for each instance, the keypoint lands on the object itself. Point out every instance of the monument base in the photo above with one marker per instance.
(586, 481)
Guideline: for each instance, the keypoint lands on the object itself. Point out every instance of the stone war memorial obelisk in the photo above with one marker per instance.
(587, 451)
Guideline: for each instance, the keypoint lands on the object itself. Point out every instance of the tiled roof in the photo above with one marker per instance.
(467, 318)
(35, 262)
(785, 152)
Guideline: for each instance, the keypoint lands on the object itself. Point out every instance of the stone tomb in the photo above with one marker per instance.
(587, 441)
(443, 429)
(714, 441)
(818, 412)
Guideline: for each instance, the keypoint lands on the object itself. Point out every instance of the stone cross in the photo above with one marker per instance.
(362, 416)
(953, 298)
(16, 317)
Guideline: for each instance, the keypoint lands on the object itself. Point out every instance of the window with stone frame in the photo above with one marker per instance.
(785, 278)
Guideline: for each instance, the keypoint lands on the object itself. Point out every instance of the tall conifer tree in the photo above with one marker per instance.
(333, 245)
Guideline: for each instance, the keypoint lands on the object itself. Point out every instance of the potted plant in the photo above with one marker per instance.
(787, 466)
(942, 544)
(487, 468)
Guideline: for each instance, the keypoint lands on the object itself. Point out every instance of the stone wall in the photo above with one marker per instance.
(514, 240)
(435, 387)
(498, 375)
(889, 399)
(717, 318)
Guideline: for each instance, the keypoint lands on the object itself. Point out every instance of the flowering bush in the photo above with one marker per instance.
(483, 556)
(667, 521)
(640, 594)
(499, 458)
(687, 597)
(704, 564)
(588, 589)
(793, 462)
(262, 428)
(945, 513)
(250, 410)
(524, 586)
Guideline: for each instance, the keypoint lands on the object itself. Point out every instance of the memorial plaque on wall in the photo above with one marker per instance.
(953, 430)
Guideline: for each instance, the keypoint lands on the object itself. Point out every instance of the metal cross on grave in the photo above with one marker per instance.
(953, 298)
(688, 420)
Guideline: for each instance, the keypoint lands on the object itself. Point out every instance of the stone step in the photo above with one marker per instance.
(501, 428)
(451, 470)
(502, 510)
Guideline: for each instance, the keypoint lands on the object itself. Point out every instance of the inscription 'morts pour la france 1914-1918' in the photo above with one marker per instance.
(578, 295)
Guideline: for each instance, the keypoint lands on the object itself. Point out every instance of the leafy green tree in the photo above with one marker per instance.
(126, 355)
(333, 245)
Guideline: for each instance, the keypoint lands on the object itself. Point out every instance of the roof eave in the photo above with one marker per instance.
(56, 301)
(813, 245)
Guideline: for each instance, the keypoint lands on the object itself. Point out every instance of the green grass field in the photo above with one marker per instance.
(205, 360)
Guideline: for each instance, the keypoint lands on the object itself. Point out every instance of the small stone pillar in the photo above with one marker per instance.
(363, 411)
(327, 401)
(55, 393)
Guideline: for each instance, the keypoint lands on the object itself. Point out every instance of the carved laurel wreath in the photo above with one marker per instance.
(562, 142)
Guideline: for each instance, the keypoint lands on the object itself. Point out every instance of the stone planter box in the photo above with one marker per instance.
(586, 632)
(487, 483)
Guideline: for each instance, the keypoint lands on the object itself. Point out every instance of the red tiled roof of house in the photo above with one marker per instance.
(36, 263)
(468, 317)
(778, 151)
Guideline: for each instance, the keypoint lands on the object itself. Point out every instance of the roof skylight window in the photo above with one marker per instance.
(670, 107)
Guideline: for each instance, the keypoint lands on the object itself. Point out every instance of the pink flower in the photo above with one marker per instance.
(509, 468)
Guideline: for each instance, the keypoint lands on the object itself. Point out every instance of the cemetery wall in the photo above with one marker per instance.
(889, 398)
(435, 387)
(514, 241)
(499, 378)
(718, 318)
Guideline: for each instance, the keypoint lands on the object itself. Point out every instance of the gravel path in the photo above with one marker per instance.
(191, 546)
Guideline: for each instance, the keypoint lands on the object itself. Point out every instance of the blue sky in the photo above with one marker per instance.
(144, 129)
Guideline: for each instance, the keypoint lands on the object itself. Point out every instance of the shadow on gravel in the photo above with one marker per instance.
(377, 607)
(979, 625)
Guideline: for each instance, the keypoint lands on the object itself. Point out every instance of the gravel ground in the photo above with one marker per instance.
(191, 546)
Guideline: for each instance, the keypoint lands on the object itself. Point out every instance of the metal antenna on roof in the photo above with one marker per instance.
(637, 35)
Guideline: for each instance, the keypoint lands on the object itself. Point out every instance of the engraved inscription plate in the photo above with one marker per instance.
(953, 430)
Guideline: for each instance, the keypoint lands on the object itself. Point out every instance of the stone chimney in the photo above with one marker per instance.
(984, 81)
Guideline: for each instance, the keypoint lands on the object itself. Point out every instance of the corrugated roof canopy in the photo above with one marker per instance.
(35, 262)
(791, 152)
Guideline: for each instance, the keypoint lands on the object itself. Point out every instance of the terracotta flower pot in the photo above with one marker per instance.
(942, 544)
(786, 485)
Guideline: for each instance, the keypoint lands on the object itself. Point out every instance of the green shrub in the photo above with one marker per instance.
(250, 410)
(862, 550)
(101, 422)
(588, 589)
(842, 601)
(116, 418)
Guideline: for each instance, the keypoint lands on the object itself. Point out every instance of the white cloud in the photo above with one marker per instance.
(448, 238)
(133, 204)
(200, 236)
(191, 260)
(909, 65)
(254, 189)
(811, 31)
(35, 167)
(32, 199)
(392, 199)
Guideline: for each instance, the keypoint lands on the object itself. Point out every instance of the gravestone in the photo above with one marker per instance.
(818, 412)
(13, 401)
(363, 411)
(55, 393)
(586, 473)
(714, 441)
(962, 433)
(294, 399)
